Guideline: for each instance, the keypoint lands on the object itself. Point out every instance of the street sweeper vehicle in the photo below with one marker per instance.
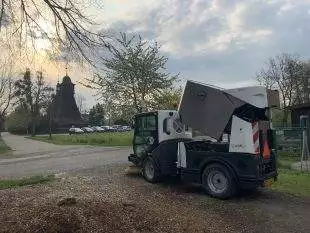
(235, 152)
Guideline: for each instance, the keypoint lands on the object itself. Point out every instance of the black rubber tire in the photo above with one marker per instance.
(151, 177)
(224, 177)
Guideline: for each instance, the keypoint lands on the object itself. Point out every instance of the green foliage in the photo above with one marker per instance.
(167, 100)
(3, 147)
(120, 115)
(293, 182)
(277, 115)
(97, 115)
(122, 121)
(286, 158)
(99, 139)
(289, 181)
(33, 95)
(5, 184)
(134, 74)
(18, 121)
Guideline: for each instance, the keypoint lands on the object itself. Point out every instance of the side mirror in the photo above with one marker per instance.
(133, 123)
(166, 125)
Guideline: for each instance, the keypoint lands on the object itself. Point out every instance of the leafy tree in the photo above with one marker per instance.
(97, 115)
(169, 99)
(286, 73)
(121, 115)
(134, 74)
(121, 121)
(19, 121)
(34, 95)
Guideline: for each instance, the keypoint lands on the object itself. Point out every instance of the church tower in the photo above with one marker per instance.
(66, 112)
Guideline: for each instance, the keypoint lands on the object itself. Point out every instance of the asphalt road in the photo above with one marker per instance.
(32, 157)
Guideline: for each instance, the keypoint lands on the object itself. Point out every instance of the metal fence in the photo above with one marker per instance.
(289, 141)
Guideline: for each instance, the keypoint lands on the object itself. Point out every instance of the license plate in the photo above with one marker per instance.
(269, 182)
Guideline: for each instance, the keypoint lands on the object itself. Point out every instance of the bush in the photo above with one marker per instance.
(17, 122)
(3, 147)
(17, 129)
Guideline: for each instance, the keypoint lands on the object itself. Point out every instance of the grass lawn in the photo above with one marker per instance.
(293, 182)
(285, 159)
(98, 139)
(3, 147)
(5, 184)
(289, 181)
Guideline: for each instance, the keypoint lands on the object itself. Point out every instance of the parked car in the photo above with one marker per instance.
(118, 128)
(74, 130)
(126, 128)
(107, 128)
(97, 129)
(87, 130)
(112, 128)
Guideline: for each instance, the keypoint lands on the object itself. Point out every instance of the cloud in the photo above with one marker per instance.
(191, 28)
(220, 40)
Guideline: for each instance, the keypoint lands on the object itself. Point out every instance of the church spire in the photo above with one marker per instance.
(67, 66)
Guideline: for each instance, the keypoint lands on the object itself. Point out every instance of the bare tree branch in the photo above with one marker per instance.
(284, 72)
(6, 89)
(80, 101)
(68, 26)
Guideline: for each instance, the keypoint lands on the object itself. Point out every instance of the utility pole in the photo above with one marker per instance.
(50, 120)
(50, 109)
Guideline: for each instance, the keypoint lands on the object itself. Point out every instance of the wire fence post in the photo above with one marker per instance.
(304, 122)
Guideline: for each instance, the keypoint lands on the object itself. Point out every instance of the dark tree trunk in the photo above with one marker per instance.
(33, 126)
(50, 122)
(33, 129)
(1, 123)
(285, 116)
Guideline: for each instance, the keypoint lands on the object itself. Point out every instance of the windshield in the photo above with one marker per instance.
(146, 123)
(145, 136)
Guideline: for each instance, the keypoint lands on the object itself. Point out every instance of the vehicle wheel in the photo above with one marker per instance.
(150, 170)
(218, 181)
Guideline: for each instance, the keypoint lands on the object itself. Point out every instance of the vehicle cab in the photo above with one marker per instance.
(152, 128)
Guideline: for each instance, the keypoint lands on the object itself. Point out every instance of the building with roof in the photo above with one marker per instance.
(65, 111)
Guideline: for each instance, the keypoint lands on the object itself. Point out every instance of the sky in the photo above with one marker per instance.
(219, 42)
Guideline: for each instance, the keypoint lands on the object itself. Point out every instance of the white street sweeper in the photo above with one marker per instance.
(237, 154)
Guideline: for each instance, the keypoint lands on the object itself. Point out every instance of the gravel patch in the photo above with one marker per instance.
(106, 199)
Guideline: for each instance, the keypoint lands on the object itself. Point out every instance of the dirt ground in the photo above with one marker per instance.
(108, 200)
